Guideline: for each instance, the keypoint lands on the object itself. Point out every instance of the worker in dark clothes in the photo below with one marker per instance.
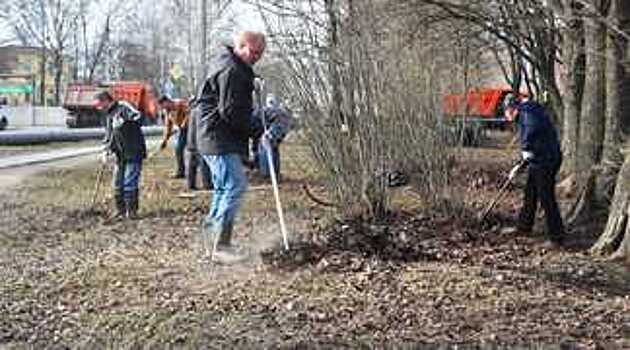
(195, 162)
(124, 140)
(541, 155)
(224, 130)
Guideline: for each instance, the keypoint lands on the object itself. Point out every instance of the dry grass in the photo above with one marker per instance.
(72, 279)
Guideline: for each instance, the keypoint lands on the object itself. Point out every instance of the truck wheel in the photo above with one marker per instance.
(3, 123)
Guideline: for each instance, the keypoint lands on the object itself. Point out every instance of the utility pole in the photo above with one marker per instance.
(204, 40)
(42, 87)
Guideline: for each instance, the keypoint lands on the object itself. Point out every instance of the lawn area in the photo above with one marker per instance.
(73, 278)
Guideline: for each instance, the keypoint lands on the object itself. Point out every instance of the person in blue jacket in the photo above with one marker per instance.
(271, 123)
(541, 154)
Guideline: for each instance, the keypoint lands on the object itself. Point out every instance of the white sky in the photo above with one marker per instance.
(247, 17)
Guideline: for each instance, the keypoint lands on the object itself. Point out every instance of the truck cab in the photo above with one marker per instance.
(468, 116)
(82, 112)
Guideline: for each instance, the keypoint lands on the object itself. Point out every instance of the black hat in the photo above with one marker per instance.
(513, 101)
(164, 98)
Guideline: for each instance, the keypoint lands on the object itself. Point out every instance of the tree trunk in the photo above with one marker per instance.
(350, 83)
(615, 50)
(204, 42)
(625, 86)
(100, 51)
(87, 74)
(573, 80)
(333, 56)
(611, 155)
(58, 75)
(42, 82)
(616, 236)
(591, 130)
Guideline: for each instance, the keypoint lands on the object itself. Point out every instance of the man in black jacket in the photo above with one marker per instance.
(195, 162)
(224, 129)
(541, 153)
(125, 140)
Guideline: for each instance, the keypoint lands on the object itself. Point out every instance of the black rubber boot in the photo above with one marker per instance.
(119, 202)
(132, 205)
(180, 171)
(191, 171)
(225, 239)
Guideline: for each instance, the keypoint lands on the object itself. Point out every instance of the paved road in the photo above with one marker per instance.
(14, 169)
(11, 177)
(46, 157)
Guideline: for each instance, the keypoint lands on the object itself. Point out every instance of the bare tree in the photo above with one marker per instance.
(210, 13)
(49, 25)
(615, 239)
(573, 58)
(354, 60)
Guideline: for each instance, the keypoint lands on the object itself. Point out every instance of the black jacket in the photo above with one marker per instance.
(538, 135)
(123, 132)
(225, 107)
(193, 122)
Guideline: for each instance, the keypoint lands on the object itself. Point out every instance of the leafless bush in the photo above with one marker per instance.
(368, 97)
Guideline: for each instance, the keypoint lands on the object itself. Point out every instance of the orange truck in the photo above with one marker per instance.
(484, 105)
(467, 116)
(82, 112)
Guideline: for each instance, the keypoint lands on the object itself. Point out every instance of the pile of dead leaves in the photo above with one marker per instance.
(348, 245)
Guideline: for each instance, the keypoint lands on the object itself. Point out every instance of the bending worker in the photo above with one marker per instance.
(271, 124)
(176, 115)
(542, 157)
(123, 139)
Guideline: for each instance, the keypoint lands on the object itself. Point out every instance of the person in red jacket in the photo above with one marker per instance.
(176, 115)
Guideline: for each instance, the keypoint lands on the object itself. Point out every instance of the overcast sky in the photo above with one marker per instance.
(247, 17)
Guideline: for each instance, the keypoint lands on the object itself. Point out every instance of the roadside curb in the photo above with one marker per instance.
(51, 156)
(29, 137)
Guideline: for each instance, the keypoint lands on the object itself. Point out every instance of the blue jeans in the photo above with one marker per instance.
(230, 183)
(180, 146)
(263, 162)
(196, 163)
(126, 177)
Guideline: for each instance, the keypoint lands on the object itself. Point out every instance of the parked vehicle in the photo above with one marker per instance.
(469, 115)
(82, 112)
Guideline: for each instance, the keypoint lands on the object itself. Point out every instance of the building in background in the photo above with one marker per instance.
(21, 75)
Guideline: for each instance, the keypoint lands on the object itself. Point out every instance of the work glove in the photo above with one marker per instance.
(274, 135)
(527, 156)
(266, 139)
(105, 157)
(515, 170)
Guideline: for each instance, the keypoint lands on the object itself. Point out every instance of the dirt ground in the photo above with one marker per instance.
(73, 278)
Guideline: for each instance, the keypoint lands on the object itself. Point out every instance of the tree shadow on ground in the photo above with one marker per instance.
(590, 276)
